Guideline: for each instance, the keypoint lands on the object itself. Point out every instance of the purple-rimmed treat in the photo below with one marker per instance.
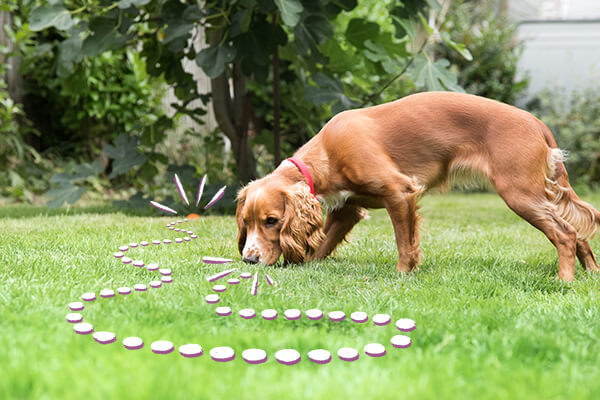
(222, 354)
(166, 279)
(123, 248)
(104, 337)
(89, 296)
(381, 319)
(126, 260)
(74, 318)
(219, 288)
(401, 341)
(292, 314)
(212, 298)
(165, 271)
(348, 354)
(83, 328)
(163, 208)
(359, 317)
(124, 290)
(133, 245)
(245, 275)
(220, 275)
(216, 260)
(105, 293)
(138, 263)
(247, 313)
(119, 254)
(288, 357)
(223, 311)
(269, 314)
(319, 356)
(133, 343)
(152, 267)
(144, 243)
(155, 284)
(140, 287)
(156, 242)
(254, 356)
(216, 197)
(162, 347)
(233, 281)
(76, 306)
(314, 314)
(167, 241)
(374, 350)
(191, 350)
(405, 324)
(337, 316)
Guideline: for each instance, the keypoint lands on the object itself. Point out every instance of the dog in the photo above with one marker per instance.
(389, 155)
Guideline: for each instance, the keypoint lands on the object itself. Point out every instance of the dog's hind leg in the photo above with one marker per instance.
(337, 225)
(586, 256)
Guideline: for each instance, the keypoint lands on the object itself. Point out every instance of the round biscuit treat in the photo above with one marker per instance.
(126, 260)
(171, 228)
(83, 328)
(374, 350)
(124, 290)
(152, 267)
(123, 248)
(178, 240)
(288, 356)
(107, 293)
(269, 314)
(118, 254)
(254, 356)
(144, 243)
(155, 284)
(140, 287)
(76, 306)
(187, 239)
(292, 314)
(247, 313)
(133, 245)
(162, 347)
(337, 316)
(319, 356)
(245, 275)
(165, 271)
(314, 314)
(222, 354)
(233, 281)
(74, 318)
(166, 279)
(167, 241)
(133, 343)
(190, 350)
(212, 298)
(138, 263)
(219, 288)
(194, 236)
(381, 319)
(401, 341)
(359, 317)
(348, 354)
(405, 324)
(223, 311)
(89, 296)
(156, 242)
(104, 337)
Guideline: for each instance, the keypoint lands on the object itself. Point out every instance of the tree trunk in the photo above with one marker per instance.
(276, 110)
(233, 116)
(12, 78)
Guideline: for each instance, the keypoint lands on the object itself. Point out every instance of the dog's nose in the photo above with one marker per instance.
(251, 259)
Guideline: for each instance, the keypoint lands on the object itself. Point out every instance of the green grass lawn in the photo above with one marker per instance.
(492, 322)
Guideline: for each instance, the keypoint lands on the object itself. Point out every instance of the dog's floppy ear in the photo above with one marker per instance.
(302, 230)
(241, 236)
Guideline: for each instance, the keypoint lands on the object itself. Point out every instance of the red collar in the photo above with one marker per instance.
(304, 171)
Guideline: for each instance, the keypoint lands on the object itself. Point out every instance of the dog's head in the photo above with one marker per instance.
(275, 217)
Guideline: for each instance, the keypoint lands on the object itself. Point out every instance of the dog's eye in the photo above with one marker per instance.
(271, 221)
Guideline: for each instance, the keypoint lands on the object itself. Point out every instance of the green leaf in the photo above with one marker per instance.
(459, 47)
(66, 192)
(434, 75)
(128, 3)
(311, 32)
(290, 11)
(360, 30)
(45, 17)
(125, 155)
(328, 90)
(103, 37)
(69, 53)
(213, 59)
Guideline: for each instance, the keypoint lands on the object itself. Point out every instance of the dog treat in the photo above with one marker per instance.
(133, 343)
(200, 190)
(348, 354)
(104, 337)
(216, 260)
(123, 248)
(156, 242)
(401, 341)
(223, 311)
(162, 347)
(126, 260)
(247, 313)
(212, 298)
(190, 350)
(220, 275)
(269, 280)
(337, 316)
(178, 240)
(107, 293)
(233, 281)
(152, 267)
(124, 290)
(167, 241)
(359, 317)
(292, 314)
(220, 193)
(194, 236)
(187, 239)
(138, 263)
(165, 271)
(76, 306)
(254, 290)
(245, 275)
(155, 284)
(180, 190)
(254, 356)
(314, 314)
(222, 354)
(166, 279)
(219, 288)
(374, 350)
(88, 296)
(140, 287)
(144, 243)
(163, 208)
(269, 314)
(405, 324)
(288, 357)
(319, 356)
(381, 319)
(133, 245)
(74, 318)
(118, 254)
(83, 328)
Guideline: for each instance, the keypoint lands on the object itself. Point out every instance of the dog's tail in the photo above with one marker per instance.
(580, 215)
